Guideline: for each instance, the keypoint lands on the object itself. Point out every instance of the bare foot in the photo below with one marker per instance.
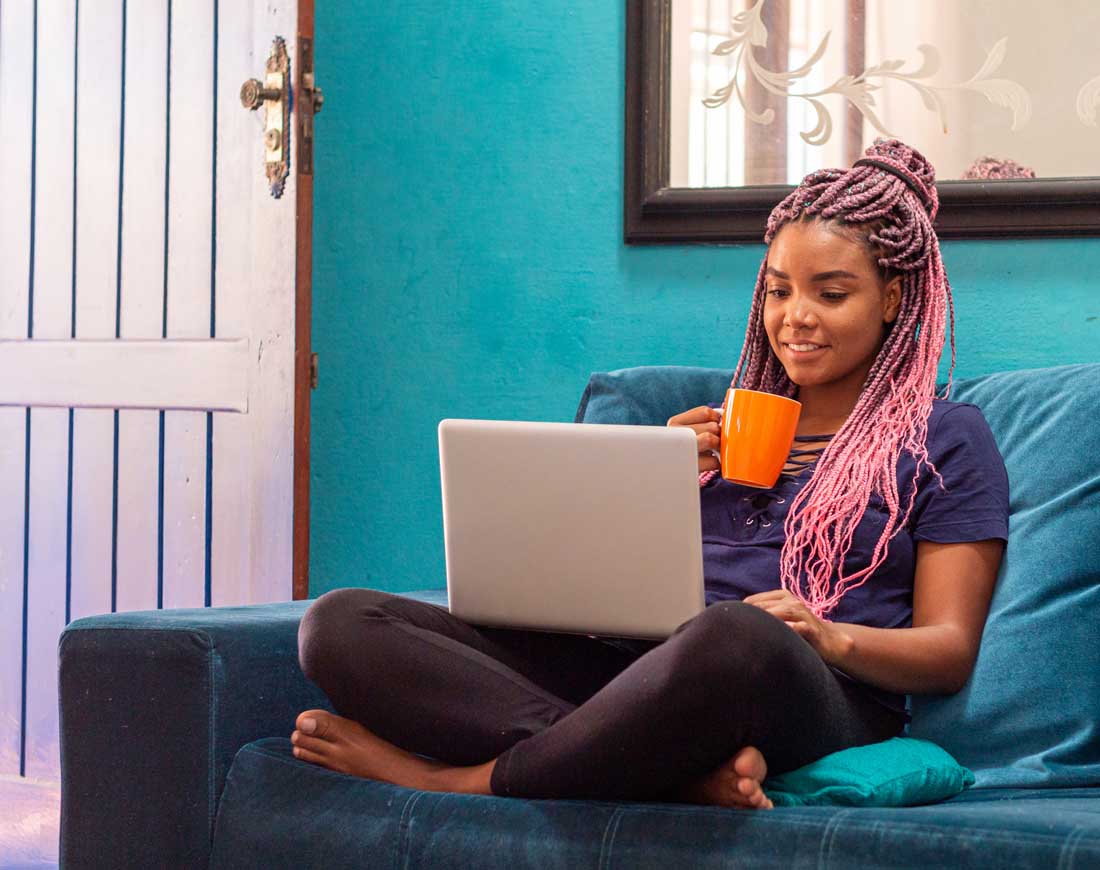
(346, 746)
(737, 783)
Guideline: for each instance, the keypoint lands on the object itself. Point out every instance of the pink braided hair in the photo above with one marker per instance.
(994, 168)
(889, 203)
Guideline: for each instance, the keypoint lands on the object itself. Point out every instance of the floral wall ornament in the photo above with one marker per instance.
(1088, 100)
(748, 30)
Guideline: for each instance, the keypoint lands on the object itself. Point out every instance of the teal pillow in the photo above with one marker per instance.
(899, 772)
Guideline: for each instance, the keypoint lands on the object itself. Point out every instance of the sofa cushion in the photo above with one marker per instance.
(649, 395)
(153, 708)
(154, 705)
(1028, 716)
(277, 811)
(898, 772)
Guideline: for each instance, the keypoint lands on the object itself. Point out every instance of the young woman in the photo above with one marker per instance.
(863, 575)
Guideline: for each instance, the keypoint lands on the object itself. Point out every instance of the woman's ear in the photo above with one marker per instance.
(891, 299)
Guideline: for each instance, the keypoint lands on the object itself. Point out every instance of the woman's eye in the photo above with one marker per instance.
(832, 297)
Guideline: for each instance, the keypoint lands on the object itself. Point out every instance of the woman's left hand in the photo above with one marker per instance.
(826, 637)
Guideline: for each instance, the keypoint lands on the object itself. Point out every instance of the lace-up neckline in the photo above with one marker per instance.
(805, 456)
(761, 502)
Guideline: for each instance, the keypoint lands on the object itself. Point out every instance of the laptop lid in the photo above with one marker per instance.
(585, 528)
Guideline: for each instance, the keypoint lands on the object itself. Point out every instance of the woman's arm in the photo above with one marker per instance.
(952, 588)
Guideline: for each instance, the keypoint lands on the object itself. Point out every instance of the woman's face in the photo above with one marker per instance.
(822, 288)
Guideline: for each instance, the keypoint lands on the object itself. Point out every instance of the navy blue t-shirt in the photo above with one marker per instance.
(743, 526)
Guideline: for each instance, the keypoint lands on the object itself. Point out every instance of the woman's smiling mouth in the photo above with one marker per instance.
(805, 350)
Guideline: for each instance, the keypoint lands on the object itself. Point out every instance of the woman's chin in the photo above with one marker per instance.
(801, 377)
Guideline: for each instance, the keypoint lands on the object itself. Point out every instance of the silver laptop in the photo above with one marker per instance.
(569, 527)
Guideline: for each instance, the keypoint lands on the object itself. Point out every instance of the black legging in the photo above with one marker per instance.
(572, 716)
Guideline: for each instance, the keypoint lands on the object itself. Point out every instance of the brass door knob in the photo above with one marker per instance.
(273, 93)
(253, 94)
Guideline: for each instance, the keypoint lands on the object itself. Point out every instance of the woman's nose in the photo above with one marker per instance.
(798, 313)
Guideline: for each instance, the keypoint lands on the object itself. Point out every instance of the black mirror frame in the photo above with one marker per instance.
(655, 213)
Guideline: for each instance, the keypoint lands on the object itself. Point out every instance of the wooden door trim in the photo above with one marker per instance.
(303, 348)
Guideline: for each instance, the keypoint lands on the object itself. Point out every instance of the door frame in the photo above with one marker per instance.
(303, 314)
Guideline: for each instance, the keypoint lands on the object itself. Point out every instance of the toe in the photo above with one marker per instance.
(317, 723)
(749, 762)
(760, 800)
(748, 794)
(312, 757)
(310, 744)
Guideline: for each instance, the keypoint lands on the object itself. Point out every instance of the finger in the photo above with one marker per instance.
(789, 608)
(707, 441)
(770, 595)
(787, 615)
(701, 414)
(776, 608)
(787, 611)
(770, 611)
(707, 462)
(710, 428)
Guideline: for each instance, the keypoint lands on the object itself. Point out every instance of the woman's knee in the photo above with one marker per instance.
(727, 622)
(732, 642)
(329, 623)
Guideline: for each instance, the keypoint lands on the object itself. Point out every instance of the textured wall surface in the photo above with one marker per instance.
(469, 261)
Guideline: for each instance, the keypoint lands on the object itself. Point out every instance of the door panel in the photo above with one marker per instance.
(188, 293)
(47, 588)
(96, 174)
(140, 301)
(52, 311)
(253, 454)
(147, 298)
(16, 106)
(239, 180)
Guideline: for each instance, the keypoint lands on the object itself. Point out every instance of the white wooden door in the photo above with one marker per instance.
(147, 299)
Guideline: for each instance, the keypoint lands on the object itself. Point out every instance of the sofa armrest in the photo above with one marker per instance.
(153, 707)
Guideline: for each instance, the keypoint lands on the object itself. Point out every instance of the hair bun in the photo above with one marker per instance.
(913, 167)
(995, 167)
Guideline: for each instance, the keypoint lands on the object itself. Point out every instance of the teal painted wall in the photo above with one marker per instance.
(469, 262)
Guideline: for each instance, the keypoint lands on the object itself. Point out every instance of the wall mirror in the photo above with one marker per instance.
(731, 102)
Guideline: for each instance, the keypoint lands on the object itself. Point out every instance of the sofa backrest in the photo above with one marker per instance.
(1030, 714)
(649, 395)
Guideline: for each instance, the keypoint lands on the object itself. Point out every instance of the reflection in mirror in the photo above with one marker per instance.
(765, 91)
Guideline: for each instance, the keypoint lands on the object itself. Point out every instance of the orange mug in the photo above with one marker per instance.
(757, 434)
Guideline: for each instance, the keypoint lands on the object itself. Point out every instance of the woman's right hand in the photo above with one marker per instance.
(705, 421)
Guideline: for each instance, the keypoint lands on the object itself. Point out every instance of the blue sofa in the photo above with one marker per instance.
(175, 724)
